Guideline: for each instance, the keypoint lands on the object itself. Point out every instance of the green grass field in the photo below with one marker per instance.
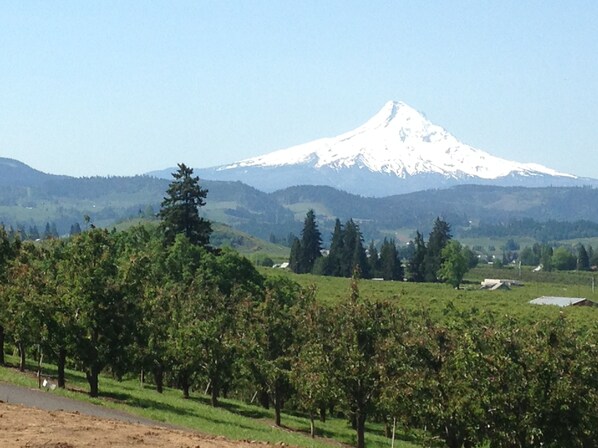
(235, 419)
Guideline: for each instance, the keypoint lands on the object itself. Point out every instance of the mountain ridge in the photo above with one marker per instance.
(66, 200)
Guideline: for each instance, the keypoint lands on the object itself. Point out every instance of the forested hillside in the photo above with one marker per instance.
(31, 198)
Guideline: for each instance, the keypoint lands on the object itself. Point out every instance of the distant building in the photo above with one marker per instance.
(495, 283)
(562, 301)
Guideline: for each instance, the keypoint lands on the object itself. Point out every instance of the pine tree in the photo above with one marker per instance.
(180, 209)
(353, 253)
(390, 262)
(311, 243)
(583, 260)
(438, 239)
(374, 260)
(336, 251)
(295, 257)
(416, 262)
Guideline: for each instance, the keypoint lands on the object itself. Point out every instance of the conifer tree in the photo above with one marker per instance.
(583, 260)
(180, 209)
(390, 262)
(295, 256)
(333, 266)
(374, 260)
(311, 243)
(416, 262)
(438, 239)
(353, 253)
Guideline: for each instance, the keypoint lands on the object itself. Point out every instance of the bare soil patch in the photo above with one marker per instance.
(26, 427)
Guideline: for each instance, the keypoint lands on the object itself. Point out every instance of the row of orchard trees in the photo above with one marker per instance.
(122, 303)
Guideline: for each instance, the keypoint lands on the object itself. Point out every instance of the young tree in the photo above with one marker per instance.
(8, 251)
(454, 264)
(103, 318)
(357, 359)
(272, 344)
(180, 209)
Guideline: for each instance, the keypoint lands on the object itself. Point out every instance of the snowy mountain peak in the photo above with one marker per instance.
(396, 151)
(401, 141)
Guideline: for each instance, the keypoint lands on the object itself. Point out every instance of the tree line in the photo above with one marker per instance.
(347, 253)
(439, 259)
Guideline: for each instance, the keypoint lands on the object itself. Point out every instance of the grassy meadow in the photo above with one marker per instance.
(234, 419)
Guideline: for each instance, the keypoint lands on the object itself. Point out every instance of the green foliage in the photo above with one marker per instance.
(180, 208)
(438, 239)
(390, 262)
(454, 264)
(563, 259)
(417, 269)
(104, 319)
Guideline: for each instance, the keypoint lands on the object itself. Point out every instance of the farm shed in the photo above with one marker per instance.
(562, 301)
(495, 283)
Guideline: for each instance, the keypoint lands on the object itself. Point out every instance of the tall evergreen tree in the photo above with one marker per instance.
(583, 260)
(180, 209)
(416, 262)
(333, 266)
(311, 243)
(390, 262)
(353, 253)
(439, 237)
(373, 260)
(295, 256)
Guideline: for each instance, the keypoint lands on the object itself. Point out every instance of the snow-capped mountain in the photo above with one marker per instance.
(397, 151)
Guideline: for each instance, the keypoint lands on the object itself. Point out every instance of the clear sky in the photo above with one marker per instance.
(125, 87)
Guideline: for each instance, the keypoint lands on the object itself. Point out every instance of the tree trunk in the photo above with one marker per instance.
(184, 382)
(159, 378)
(92, 378)
(1, 345)
(277, 411)
(215, 392)
(264, 398)
(323, 414)
(277, 405)
(360, 423)
(60, 365)
(21, 348)
(312, 425)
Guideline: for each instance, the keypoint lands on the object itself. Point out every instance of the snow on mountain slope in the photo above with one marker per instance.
(398, 141)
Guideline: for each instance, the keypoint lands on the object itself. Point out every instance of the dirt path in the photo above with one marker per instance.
(34, 419)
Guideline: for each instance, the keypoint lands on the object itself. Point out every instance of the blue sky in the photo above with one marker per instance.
(125, 87)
